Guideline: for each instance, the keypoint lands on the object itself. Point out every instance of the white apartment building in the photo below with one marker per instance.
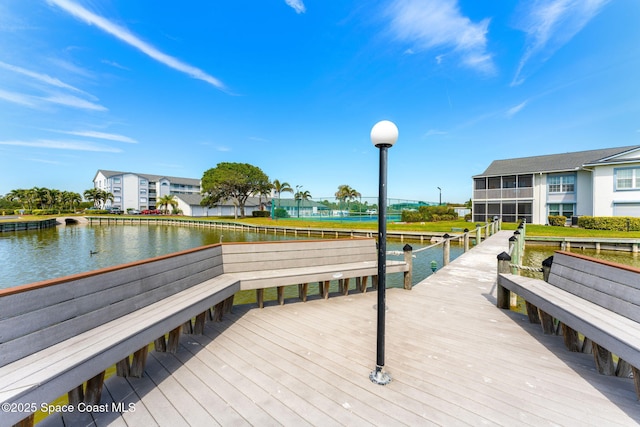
(603, 182)
(141, 191)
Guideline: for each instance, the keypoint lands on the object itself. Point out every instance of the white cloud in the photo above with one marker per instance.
(515, 110)
(549, 25)
(62, 145)
(73, 101)
(100, 135)
(297, 5)
(18, 98)
(126, 36)
(439, 24)
(44, 78)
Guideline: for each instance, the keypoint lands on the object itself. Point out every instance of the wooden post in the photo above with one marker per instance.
(260, 297)
(571, 340)
(139, 362)
(93, 393)
(408, 258)
(503, 293)
(446, 250)
(174, 340)
(478, 234)
(466, 240)
(603, 359)
(123, 367)
(303, 288)
(160, 344)
(198, 328)
(280, 292)
(548, 327)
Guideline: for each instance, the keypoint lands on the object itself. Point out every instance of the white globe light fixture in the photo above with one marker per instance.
(383, 135)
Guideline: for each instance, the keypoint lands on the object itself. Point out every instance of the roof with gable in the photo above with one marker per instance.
(562, 162)
(152, 178)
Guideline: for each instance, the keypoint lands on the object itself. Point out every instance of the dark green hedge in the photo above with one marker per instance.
(614, 223)
(557, 220)
(430, 214)
(261, 214)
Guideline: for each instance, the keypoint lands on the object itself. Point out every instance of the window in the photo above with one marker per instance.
(561, 183)
(627, 179)
(509, 181)
(143, 191)
(143, 200)
(564, 209)
(525, 181)
(480, 183)
(143, 182)
(116, 189)
(494, 182)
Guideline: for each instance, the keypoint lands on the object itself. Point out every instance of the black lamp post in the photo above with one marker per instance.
(383, 135)
(440, 198)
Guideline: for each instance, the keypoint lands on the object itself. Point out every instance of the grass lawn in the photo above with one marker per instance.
(442, 226)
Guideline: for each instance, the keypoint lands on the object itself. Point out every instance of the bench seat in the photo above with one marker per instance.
(615, 332)
(51, 372)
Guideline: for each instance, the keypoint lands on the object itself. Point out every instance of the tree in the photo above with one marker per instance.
(301, 196)
(280, 188)
(166, 201)
(346, 194)
(232, 181)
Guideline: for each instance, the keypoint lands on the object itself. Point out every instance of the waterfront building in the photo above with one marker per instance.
(604, 182)
(138, 191)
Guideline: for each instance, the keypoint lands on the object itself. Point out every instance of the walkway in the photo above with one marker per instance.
(454, 357)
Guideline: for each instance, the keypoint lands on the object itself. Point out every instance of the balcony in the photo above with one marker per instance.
(503, 193)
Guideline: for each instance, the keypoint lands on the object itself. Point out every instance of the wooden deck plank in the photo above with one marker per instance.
(454, 357)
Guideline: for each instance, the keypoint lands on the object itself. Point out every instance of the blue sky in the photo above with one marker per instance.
(294, 86)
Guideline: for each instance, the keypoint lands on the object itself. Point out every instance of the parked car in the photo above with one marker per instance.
(151, 212)
(115, 211)
(133, 212)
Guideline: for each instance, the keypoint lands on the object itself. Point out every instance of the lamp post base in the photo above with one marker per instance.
(379, 377)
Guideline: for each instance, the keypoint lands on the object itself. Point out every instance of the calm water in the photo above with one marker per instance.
(34, 255)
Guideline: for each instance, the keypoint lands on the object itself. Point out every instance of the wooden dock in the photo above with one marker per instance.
(455, 359)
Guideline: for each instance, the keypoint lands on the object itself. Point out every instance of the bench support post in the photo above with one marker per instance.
(93, 393)
(198, 328)
(280, 292)
(571, 339)
(303, 288)
(160, 344)
(123, 367)
(636, 380)
(548, 328)
(139, 362)
(260, 297)
(174, 340)
(624, 369)
(603, 359)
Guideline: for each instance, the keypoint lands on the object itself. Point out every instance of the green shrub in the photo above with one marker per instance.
(613, 223)
(411, 216)
(281, 213)
(430, 214)
(261, 214)
(557, 220)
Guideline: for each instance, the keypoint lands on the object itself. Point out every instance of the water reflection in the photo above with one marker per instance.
(35, 255)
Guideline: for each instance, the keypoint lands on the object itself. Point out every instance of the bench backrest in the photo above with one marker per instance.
(36, 316)
(610, 285)
(260, 256)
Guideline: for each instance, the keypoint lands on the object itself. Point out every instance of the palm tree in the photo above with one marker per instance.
(93, 195)
(301, 196)
(166, 201)
(346, 194)
(280, 188)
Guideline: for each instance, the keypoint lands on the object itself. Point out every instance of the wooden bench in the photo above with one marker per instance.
(598, 299)
(56, 334)
(263, 265)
